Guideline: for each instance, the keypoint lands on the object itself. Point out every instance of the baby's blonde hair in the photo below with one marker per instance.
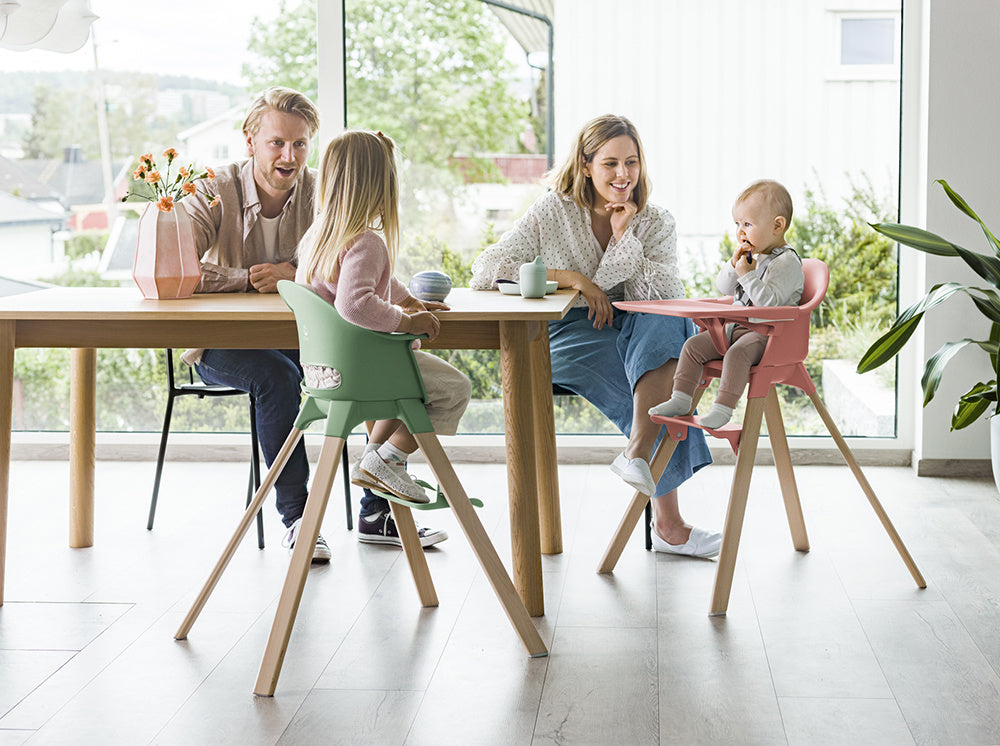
(774, 194)
(358, 191)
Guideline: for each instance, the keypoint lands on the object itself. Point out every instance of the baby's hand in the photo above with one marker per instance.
(743, 260)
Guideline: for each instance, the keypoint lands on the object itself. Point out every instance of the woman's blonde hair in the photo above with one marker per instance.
(358, 191)
(570, 180)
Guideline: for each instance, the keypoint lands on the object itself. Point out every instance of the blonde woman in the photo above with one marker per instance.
(348, 258)
(597, 232)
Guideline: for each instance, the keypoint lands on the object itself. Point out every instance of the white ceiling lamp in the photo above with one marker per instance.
(55, 25)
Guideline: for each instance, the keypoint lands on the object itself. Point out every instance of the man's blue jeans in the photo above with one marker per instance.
(273, 378)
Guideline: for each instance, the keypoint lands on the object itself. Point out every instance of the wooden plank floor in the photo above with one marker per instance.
(833, 646)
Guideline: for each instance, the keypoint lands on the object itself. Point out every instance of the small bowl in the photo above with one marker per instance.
(430, 285)
(512, 288)
(551, 286)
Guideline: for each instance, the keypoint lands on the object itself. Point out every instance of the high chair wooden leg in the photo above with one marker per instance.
(485, 552)
(737, 505)
(403, 517)
(783, 465)
(637, 507)
(298, 567)
(248, 517)
(883, 517)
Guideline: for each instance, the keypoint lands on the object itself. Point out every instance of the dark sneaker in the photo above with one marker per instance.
(379, 528)
(321, 552)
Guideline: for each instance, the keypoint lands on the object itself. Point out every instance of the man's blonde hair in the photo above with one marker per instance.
(570, 180)
(284, 100)
(358, 191)
(774, 194)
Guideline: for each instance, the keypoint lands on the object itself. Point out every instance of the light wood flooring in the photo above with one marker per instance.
(834, 646)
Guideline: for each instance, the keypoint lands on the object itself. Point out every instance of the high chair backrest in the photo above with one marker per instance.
(378, 373)
(790, 343)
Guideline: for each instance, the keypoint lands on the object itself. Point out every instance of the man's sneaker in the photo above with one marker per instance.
(392, 477)
(380, 528)
(321, 552)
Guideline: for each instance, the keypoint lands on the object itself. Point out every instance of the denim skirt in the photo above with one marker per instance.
(603, 365)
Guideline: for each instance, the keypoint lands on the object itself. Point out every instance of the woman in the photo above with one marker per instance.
(596, 232)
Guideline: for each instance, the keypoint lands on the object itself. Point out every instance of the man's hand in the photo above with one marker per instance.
(264, 277)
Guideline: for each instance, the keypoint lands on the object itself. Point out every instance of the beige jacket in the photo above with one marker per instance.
(225, 235)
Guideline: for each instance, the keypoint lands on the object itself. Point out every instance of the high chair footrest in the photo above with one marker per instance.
(677, 427)
(436, 504)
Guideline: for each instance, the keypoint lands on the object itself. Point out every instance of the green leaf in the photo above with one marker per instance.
(962, 205)
(889, 344)
(967, 411)
(987, 267)
(916, 238)
(988, 306)
(936, 365)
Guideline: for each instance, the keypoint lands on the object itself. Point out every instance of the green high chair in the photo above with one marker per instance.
(380, 384)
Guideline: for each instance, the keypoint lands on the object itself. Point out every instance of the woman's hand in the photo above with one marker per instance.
(600, 308)
(621, 216)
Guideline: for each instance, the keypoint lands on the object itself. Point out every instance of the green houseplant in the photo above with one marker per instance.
(982, 397)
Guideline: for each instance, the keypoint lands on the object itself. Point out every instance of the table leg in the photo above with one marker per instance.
(522, 484)
(83, 429)
(6, 422)
(546, 461)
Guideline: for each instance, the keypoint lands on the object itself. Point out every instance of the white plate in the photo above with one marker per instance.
(512, 288)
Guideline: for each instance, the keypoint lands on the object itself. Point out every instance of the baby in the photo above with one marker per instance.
(763, 271)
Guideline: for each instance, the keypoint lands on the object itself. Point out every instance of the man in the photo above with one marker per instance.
(247, 243)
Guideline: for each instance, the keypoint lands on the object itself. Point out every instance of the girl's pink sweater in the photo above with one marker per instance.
(365, 292)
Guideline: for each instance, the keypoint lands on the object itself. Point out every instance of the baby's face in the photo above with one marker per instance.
(757, 228)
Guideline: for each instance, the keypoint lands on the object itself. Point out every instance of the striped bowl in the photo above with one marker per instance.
(430, 285)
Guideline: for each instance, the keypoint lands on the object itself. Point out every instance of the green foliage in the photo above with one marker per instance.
(983, 397)
(83, 245)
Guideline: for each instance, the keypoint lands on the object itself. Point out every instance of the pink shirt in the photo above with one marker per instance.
(365, 292)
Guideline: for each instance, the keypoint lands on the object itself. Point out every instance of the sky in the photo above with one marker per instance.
(138, 35)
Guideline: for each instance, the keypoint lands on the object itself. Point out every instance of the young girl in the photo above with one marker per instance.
(349, 264)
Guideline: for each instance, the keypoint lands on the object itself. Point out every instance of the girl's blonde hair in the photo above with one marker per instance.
(358, 191)
(570, 180)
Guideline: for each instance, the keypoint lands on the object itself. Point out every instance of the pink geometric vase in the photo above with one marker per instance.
(166, 260)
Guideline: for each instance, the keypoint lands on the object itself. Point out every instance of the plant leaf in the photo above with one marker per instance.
(962, 205)
(916, 238)
(968, 411)
(887, 346)
(989, 307)
(987, 267)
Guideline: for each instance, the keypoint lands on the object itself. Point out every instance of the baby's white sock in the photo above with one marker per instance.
(389, 453)
(677, 405)
(717, 417)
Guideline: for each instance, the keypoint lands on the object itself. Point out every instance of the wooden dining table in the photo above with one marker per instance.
(87, 319)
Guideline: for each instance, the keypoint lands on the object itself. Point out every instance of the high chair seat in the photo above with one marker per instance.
(379, 380)
(787, 331)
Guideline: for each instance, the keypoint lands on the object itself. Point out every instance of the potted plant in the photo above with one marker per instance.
(982, 397)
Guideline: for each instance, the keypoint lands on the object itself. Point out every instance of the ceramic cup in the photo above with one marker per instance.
(430, 285)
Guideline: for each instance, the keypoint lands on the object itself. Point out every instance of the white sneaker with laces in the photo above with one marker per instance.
(321, 552)
(392, 477)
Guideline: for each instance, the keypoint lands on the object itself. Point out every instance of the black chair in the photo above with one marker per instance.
(202, 390)
(558, 390)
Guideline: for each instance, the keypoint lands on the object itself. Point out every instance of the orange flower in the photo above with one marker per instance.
(215, 201)
(152, 177)
(166, 204)
(169, 154)
(146, 157)
(211, 173)
(189, 188)
(183, 172)
(139, 173)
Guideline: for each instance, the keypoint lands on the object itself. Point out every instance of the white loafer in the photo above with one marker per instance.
(635, 472)
(700, 543)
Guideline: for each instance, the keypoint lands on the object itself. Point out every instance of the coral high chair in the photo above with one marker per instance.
(787, 328)
(379, 380)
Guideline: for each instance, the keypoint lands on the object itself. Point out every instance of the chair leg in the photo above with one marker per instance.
(647, 529)
(255, 471)
(737, 505)
(160, 455)
(783, 465)
(403, 517)
(883, 517)
(345, 464)
(485, 552)
(248, 516)
(298, 568)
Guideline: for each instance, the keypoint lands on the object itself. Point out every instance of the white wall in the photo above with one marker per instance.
(951, 103)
